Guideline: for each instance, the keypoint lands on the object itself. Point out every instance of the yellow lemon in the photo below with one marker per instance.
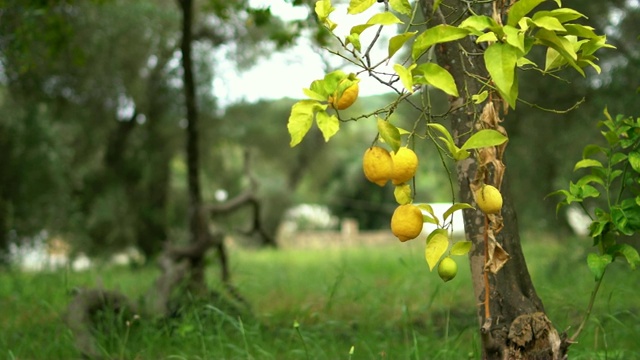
(347, 98)
(489, 199)
(405, 164)
(377, 165)
(406, 222)
(447, 269)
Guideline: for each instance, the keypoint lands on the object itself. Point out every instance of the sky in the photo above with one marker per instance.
(285, 74)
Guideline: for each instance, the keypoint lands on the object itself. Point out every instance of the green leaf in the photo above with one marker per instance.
(584, 63)
(432, 215)
(519, 9)
(617, 158)
(581, 31)
(353, 39)
(634, 160)
(314, 95)
(436, 35)
(479, 98)
(447, 139)
(553, 60)
(437, 245)
(318, 87)
(561, 45)
(501, 60)
(460, 154)
(384, 18)
(405, 75)
(443, 130)
(402, 193)
(438, 77)
(629, 253)
(523, 61)
(592, 149)
(484, 138)
(389, 134)
(598, 263)
(461, 248)
(620, 220)
(328, 124)
(487, 37)
(597, 227)
(563, 14)
(331, 81)
(614, 174)
(587, 163)
(549, 23)
(589, 191)
(396, 42)
(358, 6)
(515, 38)
(594, 45)
(323, 9)
(455, 207)
(590, 178)
(477, 24)
(301, 119)
(401, 6)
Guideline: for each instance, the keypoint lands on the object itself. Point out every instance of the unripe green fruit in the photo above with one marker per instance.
(448, 269)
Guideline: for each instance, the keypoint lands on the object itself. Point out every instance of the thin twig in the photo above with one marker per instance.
(592, 300)
(487, 311)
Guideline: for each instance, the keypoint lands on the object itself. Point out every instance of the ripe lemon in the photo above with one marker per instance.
(406, 222)
(405, 164)
(347, 98)
(489, 199)
(447, 269)
(377, 165)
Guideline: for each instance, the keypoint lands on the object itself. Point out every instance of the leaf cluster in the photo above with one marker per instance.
(567, 43)
(614, 175)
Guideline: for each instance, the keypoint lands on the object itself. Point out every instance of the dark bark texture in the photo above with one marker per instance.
(515, 327)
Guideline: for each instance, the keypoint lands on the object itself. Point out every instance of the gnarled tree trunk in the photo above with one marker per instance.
(513, 324)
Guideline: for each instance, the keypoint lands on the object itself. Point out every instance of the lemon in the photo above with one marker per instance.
(447, 269)
(347, 98)
(377, 165)
(405, 164)
(406, 222)
(489, 199)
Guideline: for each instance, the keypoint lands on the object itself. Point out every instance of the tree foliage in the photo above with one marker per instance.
(91, 91)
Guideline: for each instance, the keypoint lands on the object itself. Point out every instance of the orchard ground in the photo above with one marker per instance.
(379, 299)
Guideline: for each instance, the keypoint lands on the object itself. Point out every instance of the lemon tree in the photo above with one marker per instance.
(473, 52)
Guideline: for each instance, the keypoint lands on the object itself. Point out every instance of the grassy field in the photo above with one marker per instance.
(351, 303)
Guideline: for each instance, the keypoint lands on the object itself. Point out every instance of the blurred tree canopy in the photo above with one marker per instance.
(91, 129)
(90, 97)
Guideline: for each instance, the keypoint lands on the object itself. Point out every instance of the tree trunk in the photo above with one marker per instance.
(513, 324)
(197, 223)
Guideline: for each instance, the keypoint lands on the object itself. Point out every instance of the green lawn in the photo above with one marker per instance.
(380, 301)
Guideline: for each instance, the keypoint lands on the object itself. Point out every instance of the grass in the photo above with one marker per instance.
(352, 303)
